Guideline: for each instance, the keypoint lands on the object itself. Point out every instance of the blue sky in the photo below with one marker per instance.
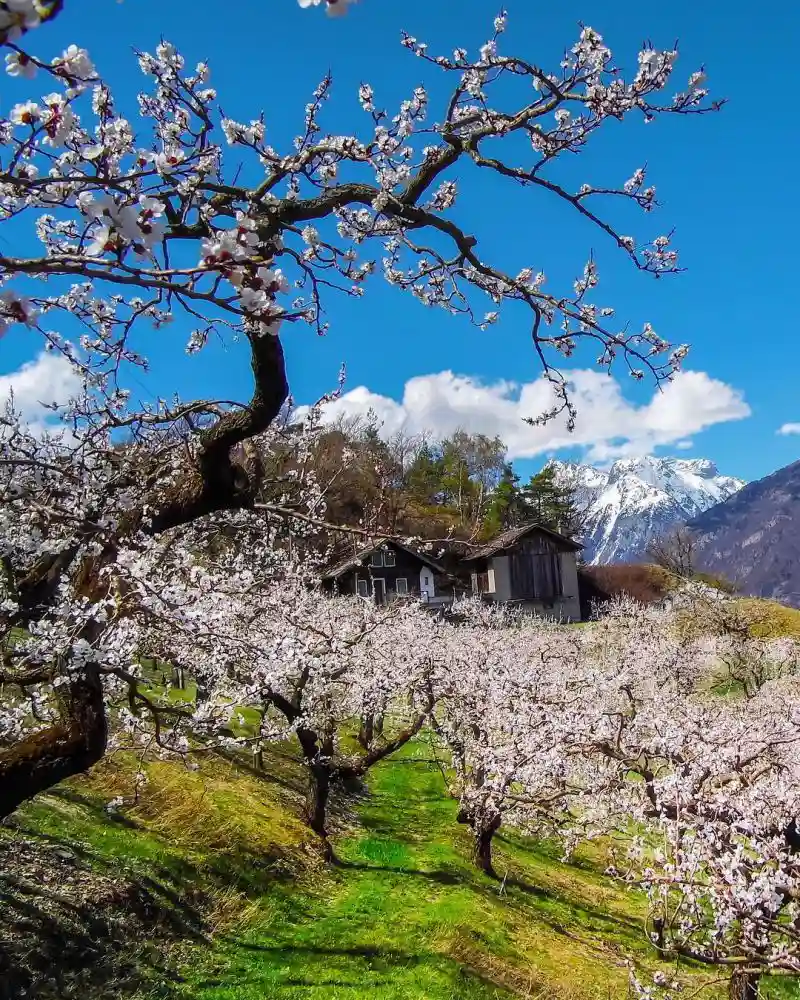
(725, 181)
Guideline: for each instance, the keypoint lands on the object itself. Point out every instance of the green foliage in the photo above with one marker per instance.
(460, 485)
(715, 581)
(506, 507)
(424, 475)
(550, 503)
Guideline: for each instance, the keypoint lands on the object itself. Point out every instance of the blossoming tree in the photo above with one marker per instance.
(506, 694)
(311, 665)
(711, 782)
(124, 225)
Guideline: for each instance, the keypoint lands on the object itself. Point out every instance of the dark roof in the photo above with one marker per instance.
(354, 561)
(513, 535)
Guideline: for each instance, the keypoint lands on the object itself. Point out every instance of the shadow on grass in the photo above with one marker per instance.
(84, 920)
(309, 966)
(86, 935)
(442, 876)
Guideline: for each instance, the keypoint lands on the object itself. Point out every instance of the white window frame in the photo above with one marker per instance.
(365, 585)
(401, 590)
(376, 559)
(389, 557)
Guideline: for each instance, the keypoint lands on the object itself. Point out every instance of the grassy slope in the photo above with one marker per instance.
(771, 619)
(404, 917)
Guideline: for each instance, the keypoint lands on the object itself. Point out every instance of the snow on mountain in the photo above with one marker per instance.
(638, 499)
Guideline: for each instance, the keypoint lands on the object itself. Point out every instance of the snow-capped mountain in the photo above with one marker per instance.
(638, 499)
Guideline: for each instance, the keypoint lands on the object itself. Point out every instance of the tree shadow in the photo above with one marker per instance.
(65, 794)
(372, 967)
(442, 876)
(75, 923)
(88, 936)
(581, 908)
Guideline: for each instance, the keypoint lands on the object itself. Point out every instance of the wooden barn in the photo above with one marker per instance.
(530, 566)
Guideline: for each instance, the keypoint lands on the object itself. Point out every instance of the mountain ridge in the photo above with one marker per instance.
(637, 499)
(752, 538)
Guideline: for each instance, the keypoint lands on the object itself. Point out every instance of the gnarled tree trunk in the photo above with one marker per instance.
(69, 747)
(482, 832)
(319, 793)
(744, 985)
(371, 726)
(217, 481)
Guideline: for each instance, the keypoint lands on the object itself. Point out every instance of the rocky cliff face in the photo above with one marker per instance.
(638, 499)
(753, 538)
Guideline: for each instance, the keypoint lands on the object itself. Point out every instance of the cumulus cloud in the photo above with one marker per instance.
(789, 429)
(48, 379)
(608, 425)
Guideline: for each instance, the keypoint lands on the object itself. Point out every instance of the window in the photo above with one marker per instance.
(377, 559)
(363, 588)
(482, 583)
(388, 557)
(401, 585)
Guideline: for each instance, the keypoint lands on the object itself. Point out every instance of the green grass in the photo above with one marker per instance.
(403, 916)
(771, 620)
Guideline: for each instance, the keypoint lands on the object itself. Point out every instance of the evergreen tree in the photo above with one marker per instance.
(424, 476)
(507, 507)
(551, 503)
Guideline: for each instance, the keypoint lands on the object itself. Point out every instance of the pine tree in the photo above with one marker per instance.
(507, 507)
(424, 476)
(551, 503)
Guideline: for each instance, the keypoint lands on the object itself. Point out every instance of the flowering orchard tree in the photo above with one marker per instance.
(311, 664)
(716, 793)
(186, 217)
(506, 695)
(84, 597)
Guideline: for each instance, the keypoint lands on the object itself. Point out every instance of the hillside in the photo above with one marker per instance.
(210, 888)
(753, 538)
(637, 499)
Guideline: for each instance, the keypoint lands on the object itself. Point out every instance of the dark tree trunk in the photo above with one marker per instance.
(317, 753)
(482, 852)
(482, 834)
(366, 731)
(69, 747)
(319, 794)
(744, 985)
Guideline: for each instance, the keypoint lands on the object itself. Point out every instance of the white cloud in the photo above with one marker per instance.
(789, 429)
(608, 426)
(48, 379)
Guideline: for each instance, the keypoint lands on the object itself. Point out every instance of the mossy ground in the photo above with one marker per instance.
(403, 916)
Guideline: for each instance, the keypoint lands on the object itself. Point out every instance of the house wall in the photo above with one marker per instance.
(499, 567)
(566, 608)
(570, 602)
(406, 566)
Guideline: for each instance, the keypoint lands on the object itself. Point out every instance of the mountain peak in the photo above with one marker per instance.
(638, 499)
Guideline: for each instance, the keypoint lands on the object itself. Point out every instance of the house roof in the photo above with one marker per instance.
(354, 561)
(513, 535)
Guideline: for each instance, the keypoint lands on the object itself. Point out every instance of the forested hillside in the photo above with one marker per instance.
(460, 487)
